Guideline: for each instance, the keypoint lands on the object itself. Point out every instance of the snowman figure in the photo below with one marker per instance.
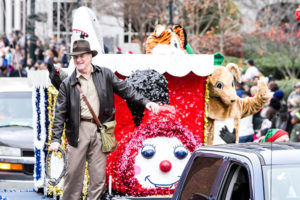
(160, 162)
(151, 159)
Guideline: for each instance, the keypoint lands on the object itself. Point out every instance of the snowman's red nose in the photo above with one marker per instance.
(165, 165)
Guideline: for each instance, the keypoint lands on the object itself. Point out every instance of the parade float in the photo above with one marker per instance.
(153, 149)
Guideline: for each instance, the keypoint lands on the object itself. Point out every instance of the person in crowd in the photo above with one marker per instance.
(246, 87)
(272, 87)
(62, 56)
(18, 71)
(13, 42)
(5, 40)
(293, 104)
(18, 56)
(49, 57)
(36, 66)
(39, 51)
(294, 98)
(29, 64)
(279, 94)
(2, 47)
(3, 71)
(52, 47)
(295, 133)
(251, 71)
(268, 113)
(43, 66)
(21, 40)
(282, 119)
(239, 89)
(257, 118)
(99, 85)
(246, 130)
(27, 50)
(106, 50)
(275, 135)
(4, 61)
(8, 56)
(262, 76)
(255, 80)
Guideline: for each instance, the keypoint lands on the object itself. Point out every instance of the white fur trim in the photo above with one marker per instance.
(176, 65)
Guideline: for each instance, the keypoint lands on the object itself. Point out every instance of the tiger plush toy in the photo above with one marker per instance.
(168, 41)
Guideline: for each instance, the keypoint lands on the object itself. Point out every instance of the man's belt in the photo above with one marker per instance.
(88, 120)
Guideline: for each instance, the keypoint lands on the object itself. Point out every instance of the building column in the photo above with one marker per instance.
(8, 17)
(24, 17)
(1, 17)
(17, 13)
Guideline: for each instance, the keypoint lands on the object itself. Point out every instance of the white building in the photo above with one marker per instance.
(54, 17)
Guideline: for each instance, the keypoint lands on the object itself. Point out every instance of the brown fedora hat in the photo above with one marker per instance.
(81, 47)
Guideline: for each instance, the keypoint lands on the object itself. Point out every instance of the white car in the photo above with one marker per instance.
(16, 133)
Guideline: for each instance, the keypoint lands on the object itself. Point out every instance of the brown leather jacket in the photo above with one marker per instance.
(68, 108)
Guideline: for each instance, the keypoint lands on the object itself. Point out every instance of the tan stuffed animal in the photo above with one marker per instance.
(225, 107)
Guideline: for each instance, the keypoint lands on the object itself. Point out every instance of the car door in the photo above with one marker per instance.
(201, 175)
(216, 175)
(243, 178)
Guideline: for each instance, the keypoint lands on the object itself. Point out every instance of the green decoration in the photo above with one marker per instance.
(218, 58)
(189, 49)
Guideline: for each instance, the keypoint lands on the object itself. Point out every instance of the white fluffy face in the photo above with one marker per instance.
(160, 162)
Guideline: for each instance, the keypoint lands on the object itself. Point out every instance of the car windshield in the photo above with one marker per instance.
(15, 109)
(282, 182)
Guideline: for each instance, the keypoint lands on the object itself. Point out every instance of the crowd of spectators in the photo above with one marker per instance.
(276, 114)
(18, 56)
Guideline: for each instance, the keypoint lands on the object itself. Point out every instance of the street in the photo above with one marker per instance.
(18, 186)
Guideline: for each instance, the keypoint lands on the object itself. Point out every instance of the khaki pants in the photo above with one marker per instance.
(89, 148)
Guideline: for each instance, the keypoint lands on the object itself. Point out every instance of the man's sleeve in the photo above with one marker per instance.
(60, 114)
(127, 91)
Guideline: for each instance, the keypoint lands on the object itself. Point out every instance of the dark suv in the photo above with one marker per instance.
(242, 172)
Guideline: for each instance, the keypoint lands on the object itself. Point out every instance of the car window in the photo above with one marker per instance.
(237, 185)
(201, 178)
(282, 182)
(15, 108)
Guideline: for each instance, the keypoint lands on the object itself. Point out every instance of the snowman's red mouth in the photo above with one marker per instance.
(147, 178)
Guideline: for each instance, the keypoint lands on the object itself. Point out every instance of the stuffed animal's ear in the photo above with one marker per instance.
(159, 29)
(234, 69)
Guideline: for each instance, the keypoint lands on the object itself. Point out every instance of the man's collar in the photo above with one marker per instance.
(78, 73)
(74, 79)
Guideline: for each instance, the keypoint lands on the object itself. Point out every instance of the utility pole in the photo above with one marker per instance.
(25, 32)
(170, 7)
(31, 29)
(78, 3)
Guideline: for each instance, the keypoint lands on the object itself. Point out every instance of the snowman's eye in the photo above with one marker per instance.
(180, 152)
(148, 151)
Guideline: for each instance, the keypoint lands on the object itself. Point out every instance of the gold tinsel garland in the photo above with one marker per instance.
(52, 97)
(56, 190)
(206, 112)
